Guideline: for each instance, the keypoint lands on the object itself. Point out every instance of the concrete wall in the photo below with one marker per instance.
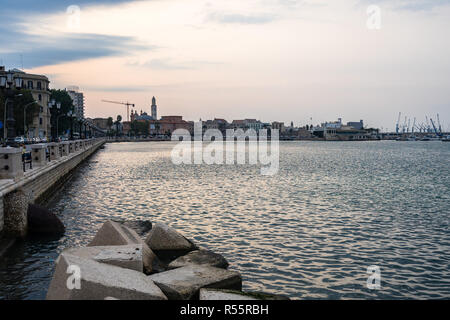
(37, 182)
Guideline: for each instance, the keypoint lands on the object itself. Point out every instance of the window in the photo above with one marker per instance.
(40, 121)
(39, 85)
(40, 95)
(30, 84)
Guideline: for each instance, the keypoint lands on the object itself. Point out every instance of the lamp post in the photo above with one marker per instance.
(57, 121)
(9, 82)
(80, 122)
(25, 117)
(71, 116)
(54, 109)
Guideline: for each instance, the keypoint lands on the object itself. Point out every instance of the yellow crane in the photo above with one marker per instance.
(125, 104)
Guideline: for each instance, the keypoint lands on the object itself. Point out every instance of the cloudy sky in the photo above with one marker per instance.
(284, 60)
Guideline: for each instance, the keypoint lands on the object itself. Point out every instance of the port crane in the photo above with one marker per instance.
(435, 129)
(439, 124)
(125, 104)
(397, 127)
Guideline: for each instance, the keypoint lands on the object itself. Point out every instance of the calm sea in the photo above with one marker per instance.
(309, 232)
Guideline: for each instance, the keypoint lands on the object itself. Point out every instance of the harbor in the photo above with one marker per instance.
(307, 233)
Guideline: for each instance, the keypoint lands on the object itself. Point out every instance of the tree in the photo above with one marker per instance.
(117, 123)
(19, 105)
(66, 101)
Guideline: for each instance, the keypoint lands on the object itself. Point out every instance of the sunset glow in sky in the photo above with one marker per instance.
(274, 60)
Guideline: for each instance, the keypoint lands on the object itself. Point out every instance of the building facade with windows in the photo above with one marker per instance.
(38, 85)
(78, 100)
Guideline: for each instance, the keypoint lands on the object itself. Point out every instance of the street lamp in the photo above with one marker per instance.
(69, 114)
(8, 82)
(54, 110)
(25, 117)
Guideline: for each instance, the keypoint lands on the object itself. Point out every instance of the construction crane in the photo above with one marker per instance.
(428, 125)
(435, 129)
(125, 104)
(439, 124)
(397, 127)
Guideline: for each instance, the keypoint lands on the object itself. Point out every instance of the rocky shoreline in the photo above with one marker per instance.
(159, 263)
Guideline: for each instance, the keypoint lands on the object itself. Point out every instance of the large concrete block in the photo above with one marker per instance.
(54, 151)
(11, 163)
(217, 294)
(185, 283)
(167, 243)
(78, 278)
(65, 148)
(128, 257)
(115, 234)
(39, 154)
(222, 294)
(200, 257)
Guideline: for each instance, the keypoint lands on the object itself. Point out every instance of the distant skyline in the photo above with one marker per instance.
(273, 60)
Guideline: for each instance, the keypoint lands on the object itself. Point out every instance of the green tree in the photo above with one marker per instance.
(62, 97)
(20, 102)
(117, 123)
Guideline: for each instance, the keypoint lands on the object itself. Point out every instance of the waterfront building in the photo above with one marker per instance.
(247, 124)
(218, 124)
(38, 85)
(278, 126)
(357, 125)
(168, 124)
(351, 131)
(101, 123)
(78, 100)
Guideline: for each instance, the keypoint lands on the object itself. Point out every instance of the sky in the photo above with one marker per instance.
(273, 60)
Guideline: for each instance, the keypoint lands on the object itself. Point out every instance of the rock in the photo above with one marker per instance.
(221, 294)
(98, 281)
(115, 234)
(167, 243)
(217, 294)
(128, 257)
(142, 227)
(42, 221)
(184, 283)
(200, 257)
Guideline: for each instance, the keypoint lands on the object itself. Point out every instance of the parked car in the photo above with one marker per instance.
(19, 140)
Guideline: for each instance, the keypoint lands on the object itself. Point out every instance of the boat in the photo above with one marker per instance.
(446, 139)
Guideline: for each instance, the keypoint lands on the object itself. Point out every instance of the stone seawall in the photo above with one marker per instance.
(33, 185)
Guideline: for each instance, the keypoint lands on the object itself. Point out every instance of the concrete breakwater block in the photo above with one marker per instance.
(200, 257)
(167, 243)
(223, 294)
(142, 227)
(217, 294)
(116, 234)
(42, 221)
(128, 257)
(184, 283)
(78, 278)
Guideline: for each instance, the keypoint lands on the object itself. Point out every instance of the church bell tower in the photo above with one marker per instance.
(154, 109)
